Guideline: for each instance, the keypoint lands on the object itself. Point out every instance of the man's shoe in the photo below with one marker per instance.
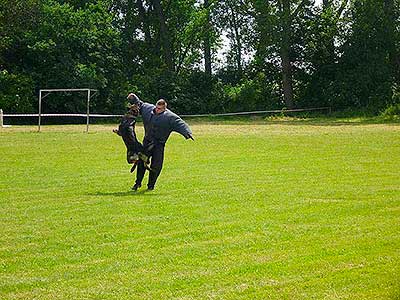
(136, 187)
(150, 188)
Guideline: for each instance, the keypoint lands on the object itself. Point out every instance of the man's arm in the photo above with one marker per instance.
(134, 99)
(181, 127)
(144, 107)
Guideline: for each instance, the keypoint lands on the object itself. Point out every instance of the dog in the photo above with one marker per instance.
(134, 149)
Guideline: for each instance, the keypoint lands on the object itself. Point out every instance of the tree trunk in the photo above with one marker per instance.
(207, 46)
(330, 41)
(143, 19)
(285, 55)
(128, 34)
(238, 42)
(238, 51)
(164, 36)
(130, 28)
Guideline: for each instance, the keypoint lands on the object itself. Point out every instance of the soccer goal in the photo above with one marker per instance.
(44, 93)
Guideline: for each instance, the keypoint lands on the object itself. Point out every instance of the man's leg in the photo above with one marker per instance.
(156, 165)
(141, 169)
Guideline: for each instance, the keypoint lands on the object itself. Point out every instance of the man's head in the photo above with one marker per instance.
(161, 106)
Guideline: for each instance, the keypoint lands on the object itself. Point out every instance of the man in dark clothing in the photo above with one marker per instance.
(158, 123)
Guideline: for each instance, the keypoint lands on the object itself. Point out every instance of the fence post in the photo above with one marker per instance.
(1, 118)
(40, 109)
(88, 111)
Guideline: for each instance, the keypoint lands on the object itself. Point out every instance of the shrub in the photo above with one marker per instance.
(16, 93)
(392, 111)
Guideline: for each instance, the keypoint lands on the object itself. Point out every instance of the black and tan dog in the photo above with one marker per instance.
(134, 149)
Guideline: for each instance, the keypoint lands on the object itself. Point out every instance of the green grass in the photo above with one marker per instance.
(273, 210)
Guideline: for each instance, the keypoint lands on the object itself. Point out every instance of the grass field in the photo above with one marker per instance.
(273, 210)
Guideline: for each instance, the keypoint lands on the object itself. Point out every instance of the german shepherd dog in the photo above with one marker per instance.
(134, 149)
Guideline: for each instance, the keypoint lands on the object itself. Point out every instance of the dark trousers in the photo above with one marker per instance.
(157, 158)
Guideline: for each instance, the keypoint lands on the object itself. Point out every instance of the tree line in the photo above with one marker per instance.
(203, 56)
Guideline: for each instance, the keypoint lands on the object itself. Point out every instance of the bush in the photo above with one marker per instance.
(392, 112)
(16, 93)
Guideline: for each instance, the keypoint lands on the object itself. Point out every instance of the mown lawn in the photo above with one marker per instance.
(270, 210)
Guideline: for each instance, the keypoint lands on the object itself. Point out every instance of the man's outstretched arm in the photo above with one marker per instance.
(181, 127)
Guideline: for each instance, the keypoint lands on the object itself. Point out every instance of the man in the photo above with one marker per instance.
(158, 123)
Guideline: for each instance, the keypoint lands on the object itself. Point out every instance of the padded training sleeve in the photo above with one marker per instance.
(181, 127)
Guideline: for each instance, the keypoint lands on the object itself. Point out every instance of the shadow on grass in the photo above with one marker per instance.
(141, 193)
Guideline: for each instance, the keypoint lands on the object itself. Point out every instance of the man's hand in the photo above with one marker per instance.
(132, 98)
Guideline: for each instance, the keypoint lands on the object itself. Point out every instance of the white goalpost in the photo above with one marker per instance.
(2, 125)
(49, 91)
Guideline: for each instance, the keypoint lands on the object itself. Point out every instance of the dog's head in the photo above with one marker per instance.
(133, 109)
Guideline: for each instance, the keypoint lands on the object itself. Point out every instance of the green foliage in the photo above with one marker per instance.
(70, 48)
(317, 86)
(345, 57)
(393, 111)
(194, 95)
(16, 93)
(245, 96)
(364, 74)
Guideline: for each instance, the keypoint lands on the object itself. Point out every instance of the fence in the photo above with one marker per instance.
(88, 116)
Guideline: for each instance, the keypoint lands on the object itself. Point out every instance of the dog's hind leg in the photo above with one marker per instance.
(134, 166)
(147, 165)
(146, 160)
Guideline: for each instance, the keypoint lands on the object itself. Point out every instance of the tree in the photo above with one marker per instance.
(165, 38)
(286, 24)
(278, 24)
(18, 20)
(323, 41)
(207, 38)
(364, 70)
(235, 18)
(285, 52)
(390, 12)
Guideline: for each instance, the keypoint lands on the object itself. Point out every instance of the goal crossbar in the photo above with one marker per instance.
(48, 91)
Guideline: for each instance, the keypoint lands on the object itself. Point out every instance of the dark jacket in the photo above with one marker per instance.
(157, 128)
